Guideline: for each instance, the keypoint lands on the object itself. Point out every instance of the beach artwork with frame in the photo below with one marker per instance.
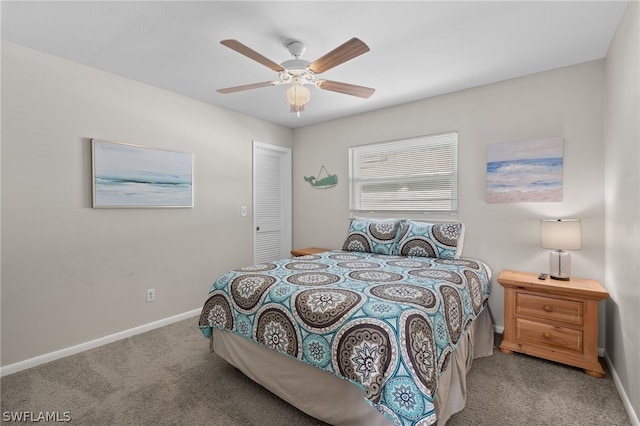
(126, 175)
(527, 171)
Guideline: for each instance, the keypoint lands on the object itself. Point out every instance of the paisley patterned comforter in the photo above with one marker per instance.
(387, 323)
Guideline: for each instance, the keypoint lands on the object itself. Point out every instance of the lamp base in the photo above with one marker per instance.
(559, 265)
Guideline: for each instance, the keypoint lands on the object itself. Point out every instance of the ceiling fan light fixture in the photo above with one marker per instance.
(298, 96)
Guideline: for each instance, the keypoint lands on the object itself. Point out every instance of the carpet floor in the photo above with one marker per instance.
(168, 376)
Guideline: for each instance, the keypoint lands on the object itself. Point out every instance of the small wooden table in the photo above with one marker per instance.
(552, 319)
(307, 251)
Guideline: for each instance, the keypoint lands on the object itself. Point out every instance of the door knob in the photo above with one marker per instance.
(257, 228)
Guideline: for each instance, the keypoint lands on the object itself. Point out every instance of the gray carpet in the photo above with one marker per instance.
(168, 377)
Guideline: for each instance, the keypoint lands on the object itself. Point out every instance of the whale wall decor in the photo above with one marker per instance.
(325, 182)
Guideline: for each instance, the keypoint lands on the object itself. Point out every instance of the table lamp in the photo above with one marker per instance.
(560, 235)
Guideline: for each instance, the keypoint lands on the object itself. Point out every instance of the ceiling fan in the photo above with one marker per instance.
(298, 72)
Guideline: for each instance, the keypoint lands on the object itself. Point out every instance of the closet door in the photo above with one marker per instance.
(272, 202)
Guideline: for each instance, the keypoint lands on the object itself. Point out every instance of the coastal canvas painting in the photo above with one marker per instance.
(126, 175)
(528, 171)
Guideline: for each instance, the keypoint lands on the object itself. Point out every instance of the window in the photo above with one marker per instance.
(408, 175)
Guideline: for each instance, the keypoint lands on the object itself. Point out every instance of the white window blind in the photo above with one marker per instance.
(408, 175)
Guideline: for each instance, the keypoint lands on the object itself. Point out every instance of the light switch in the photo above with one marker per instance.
(243, 210)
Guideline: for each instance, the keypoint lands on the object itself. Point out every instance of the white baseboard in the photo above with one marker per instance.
(52, 356)
(633, 416)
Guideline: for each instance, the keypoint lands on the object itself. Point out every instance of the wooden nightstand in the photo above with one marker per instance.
(306, 251)
(551, 319)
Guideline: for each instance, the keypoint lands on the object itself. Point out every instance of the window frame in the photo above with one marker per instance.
(432, 180)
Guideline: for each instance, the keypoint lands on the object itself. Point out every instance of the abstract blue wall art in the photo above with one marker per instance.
(527, 171)
(126, 175)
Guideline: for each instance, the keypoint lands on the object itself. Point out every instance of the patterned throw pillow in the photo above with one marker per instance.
(438, 240)
(372, 236)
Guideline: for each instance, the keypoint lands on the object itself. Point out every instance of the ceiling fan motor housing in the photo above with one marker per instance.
(296, 71)
(296, 66)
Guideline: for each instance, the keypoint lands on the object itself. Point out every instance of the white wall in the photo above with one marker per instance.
(622, 202)
(70, 273)
(566, 102)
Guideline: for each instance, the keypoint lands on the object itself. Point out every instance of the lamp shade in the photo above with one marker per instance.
(297, 96)
(561, 234)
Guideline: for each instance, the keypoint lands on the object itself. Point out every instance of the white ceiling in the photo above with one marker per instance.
(419, 49)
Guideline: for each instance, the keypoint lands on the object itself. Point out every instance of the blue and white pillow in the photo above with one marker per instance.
(437, 240)
(372, 236)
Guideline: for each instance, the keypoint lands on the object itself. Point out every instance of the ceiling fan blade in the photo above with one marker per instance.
(247, 87)
(347, 89)
(343, 53)
(252, 54)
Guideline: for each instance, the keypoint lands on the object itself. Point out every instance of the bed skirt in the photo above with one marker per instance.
(337, 401)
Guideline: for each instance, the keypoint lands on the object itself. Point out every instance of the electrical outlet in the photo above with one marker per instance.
(151, 294)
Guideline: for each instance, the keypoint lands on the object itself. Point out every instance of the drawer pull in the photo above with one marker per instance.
(547, 308)
(546, 336)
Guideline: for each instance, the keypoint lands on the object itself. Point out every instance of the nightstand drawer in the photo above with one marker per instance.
(567, 311)
(548, 335)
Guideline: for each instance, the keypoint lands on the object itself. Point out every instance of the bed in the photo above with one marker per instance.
(380, 332)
